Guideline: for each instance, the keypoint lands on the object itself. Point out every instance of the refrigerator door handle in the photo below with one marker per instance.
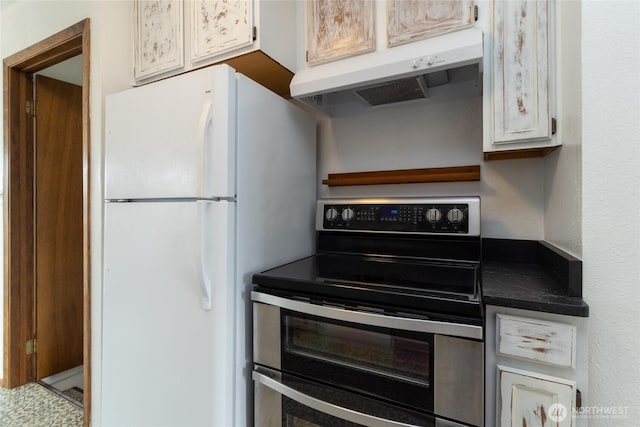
(205, 280)
(203, 124)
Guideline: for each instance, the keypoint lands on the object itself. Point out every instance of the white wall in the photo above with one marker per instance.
(611, 202)
(563, 167)
(27, 22)
(435, 135)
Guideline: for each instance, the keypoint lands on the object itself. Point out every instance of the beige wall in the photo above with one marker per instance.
(25, 23)
(436, 135)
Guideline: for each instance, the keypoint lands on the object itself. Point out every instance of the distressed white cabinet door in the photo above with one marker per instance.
(337, 29)
(257, 38)
(521, 64)
(408, 21)
(531, 399)
(158, 37)
(218, 26)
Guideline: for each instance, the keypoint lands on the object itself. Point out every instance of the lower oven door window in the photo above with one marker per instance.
(289, 401)
(386, 363)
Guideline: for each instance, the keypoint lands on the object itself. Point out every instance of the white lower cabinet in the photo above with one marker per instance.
(531, 399)
(535, 368)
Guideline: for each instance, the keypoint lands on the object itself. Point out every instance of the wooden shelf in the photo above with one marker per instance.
(446, 174)
(527, 153)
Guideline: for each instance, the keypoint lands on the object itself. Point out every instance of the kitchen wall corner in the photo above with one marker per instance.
(563, 167)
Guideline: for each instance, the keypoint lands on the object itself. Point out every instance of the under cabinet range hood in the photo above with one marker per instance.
(442, 67)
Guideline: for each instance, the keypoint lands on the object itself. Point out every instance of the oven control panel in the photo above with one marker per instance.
(442, 215)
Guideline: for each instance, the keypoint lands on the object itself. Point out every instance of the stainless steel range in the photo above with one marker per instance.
(382, 326)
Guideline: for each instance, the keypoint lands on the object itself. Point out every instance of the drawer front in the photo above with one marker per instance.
(531, 399)
(540, 341)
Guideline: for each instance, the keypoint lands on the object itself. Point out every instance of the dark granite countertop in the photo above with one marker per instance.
(532, 275)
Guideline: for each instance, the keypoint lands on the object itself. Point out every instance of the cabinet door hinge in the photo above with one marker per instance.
(31, 107)
(578, 400)
(475, 12)
(255, 33)
(553, 126)
(32, 347)
(306, 56)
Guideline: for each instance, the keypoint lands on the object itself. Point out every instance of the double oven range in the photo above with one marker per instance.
(383, 326)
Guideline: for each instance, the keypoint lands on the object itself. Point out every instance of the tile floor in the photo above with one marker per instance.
(32, 405)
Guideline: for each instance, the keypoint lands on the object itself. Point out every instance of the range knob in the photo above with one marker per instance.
(348, 214)
(455, 216)
(331, 214)
(433, 215)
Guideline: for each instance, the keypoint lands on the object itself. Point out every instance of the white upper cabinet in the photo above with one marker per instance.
(158, 37)
(416, 20)
(256, 37)
(337, 29)
(518, 79)
(520, 75)
(340, 29)
(218, 27)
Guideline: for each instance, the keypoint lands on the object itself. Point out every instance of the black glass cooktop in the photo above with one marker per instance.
(417, 273)
(386, 282)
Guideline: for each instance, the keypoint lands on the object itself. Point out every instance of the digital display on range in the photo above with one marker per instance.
(386, 211)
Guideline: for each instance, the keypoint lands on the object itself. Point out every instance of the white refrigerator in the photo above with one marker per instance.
(209, 178)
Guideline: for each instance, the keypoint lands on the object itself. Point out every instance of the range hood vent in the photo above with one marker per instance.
(445, 66)
(395, 91)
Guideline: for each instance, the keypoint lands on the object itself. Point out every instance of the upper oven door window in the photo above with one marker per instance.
(383, 362)
(383, 352)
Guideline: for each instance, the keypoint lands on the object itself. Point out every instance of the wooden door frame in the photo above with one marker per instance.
(19, 259)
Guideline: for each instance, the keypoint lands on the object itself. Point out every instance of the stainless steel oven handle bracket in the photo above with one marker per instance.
(372, 319)
(325, 407)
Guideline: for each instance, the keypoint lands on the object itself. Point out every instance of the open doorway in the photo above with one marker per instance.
(21, 210)
(58, 322)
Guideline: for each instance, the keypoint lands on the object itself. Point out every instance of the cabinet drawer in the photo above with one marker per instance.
(537, 340)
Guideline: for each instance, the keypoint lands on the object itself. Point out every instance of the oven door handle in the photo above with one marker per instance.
(372, 319)
(325, 407)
